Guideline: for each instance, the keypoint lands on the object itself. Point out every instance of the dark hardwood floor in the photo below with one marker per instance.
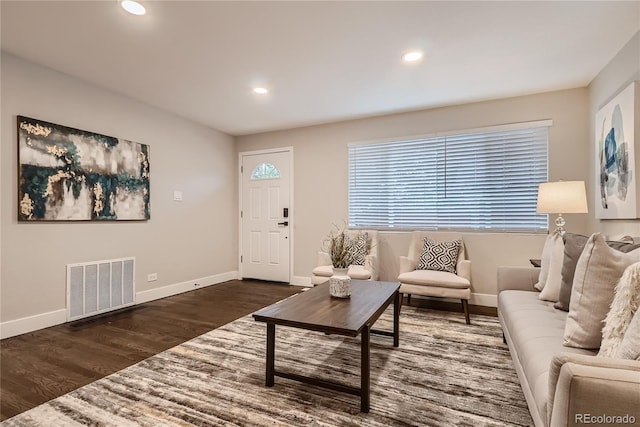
(42, 365)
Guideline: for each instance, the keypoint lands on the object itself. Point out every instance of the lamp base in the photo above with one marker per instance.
(560, 222)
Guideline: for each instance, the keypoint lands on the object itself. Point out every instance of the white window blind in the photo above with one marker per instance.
(467, 181)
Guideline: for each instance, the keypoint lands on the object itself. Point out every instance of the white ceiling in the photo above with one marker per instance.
(322, 61)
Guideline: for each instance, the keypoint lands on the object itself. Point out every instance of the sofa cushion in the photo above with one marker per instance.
(436, 278)
(597, 271)
(536, 330)
(625, 304)
(439, 256)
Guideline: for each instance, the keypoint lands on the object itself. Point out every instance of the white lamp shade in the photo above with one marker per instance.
(562, 197)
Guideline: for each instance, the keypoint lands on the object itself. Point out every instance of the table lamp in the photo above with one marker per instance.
(562, 197)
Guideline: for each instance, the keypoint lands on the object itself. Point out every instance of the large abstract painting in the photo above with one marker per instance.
(68, 174)
(616, 168)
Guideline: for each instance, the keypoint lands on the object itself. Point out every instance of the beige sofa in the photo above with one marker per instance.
(563, 386)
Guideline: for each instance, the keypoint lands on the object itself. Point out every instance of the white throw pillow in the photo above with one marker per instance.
(625, 304)
(597, 272)
(551, 289)
(545, 259)
(630, 346)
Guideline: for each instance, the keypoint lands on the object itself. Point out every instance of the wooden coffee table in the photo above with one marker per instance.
(316, 310)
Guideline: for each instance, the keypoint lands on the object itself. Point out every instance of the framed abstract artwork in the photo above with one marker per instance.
(616, 133)
(67, 174)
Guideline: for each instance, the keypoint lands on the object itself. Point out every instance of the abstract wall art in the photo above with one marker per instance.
(67, 174)
(616, 179)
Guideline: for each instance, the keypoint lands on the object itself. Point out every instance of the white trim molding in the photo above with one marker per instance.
(189, 285)
(301, 281)
(24, 325)
(485, 300)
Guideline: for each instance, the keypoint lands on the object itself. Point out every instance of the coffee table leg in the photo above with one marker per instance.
(396, 319)
(365, 370)
(271, 347)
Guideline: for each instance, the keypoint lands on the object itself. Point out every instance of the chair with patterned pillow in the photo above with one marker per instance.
(364, 245)
(436, 267)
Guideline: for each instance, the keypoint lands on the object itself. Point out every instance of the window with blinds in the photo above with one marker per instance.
(477, 180)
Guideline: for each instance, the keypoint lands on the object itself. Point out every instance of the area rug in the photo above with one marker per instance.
(444, 373)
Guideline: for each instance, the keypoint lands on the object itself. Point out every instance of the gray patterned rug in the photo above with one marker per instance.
(444, 373)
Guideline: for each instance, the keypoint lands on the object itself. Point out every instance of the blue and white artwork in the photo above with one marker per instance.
(68, 174)
(616, 168)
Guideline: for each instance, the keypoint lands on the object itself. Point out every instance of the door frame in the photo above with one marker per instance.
(292, 211)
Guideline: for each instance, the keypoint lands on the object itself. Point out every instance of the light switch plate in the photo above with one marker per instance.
(177, 196)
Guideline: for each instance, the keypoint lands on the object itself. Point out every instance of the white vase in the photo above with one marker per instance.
(340, 283)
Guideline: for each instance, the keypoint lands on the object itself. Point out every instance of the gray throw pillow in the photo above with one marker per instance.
(573, 246)
(439, 256)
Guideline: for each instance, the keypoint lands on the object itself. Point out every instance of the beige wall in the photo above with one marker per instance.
(623, 69)
(183, 241)
(198, 238)
(320, 173)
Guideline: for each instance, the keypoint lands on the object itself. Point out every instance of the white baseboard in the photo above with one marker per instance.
(189, 285)
(40, 321)
(486, 300)
(301, 281)
(32, 323)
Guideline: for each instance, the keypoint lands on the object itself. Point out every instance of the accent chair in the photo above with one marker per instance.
(367, 271)
(416, 279)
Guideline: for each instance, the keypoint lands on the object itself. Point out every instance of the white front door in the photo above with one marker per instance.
(265, 217)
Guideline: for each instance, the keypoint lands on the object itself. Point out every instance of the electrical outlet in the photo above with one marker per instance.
(152, 277)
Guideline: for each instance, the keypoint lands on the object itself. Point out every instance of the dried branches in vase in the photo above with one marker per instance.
(338, 248)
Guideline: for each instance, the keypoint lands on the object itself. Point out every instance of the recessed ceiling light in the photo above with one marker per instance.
(260, 90)
(133, 7)
(413, 56)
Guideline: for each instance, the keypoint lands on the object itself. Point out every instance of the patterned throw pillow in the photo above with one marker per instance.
(358, 248)
(437, 256)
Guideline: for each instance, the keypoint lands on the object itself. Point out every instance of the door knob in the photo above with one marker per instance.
(285, 223)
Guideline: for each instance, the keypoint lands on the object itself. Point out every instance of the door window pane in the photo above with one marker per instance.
(265, 171)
